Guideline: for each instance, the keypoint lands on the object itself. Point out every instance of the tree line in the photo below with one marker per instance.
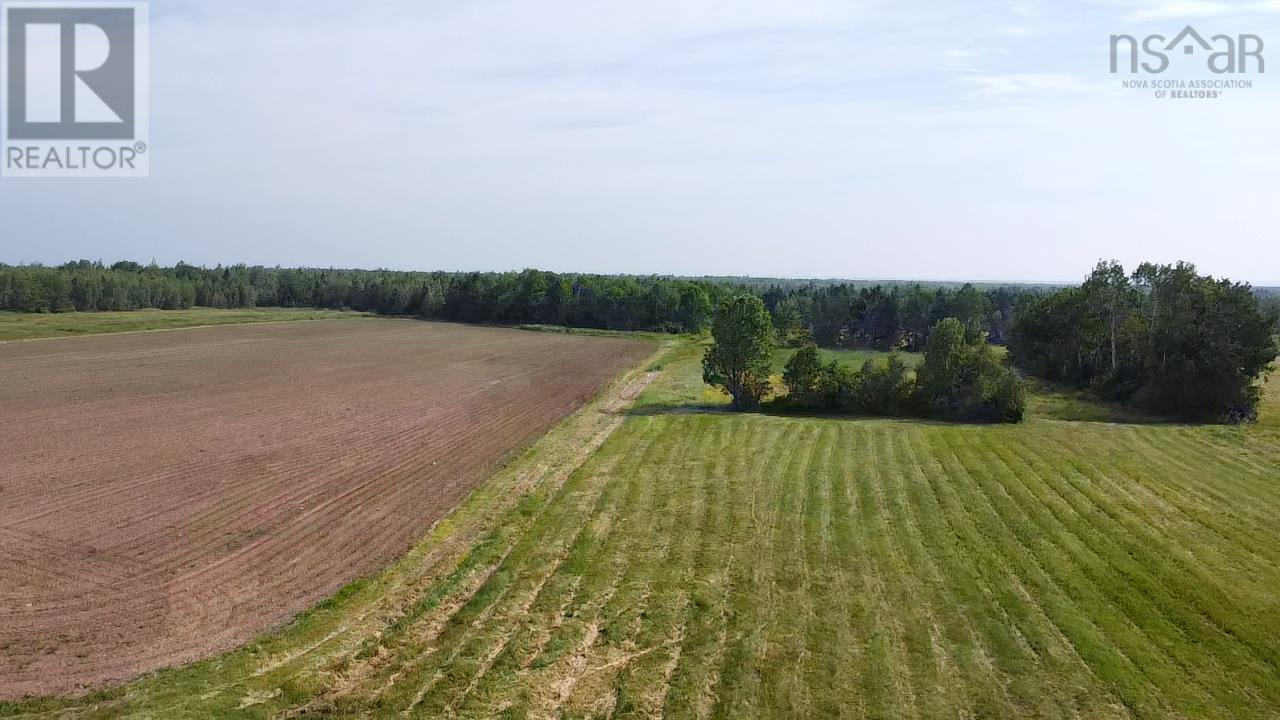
(830, 314)
(529, 297)
(1164, 339)
(895, 317)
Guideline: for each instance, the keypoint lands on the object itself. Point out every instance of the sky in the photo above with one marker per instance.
(863, 139)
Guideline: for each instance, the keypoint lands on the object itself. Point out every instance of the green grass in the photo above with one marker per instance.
(713, 565)
(853, 358)
(1062, 402)
(27, 326)
(658, 337)
(1270, 415)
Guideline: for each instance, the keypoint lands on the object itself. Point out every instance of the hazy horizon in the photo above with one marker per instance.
(981, 140)
(689, 276)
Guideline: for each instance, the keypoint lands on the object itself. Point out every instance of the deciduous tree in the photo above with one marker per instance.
(739, 360)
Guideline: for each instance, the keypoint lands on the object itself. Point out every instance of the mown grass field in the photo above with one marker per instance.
(33, 326)
(674, 561)
(1271, 402)
(852, 358)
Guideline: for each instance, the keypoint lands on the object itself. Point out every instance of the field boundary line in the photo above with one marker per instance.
(353, 316)
(314, 643)
(576, 440)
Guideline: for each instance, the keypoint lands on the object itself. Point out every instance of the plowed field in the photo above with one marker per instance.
(164, 496)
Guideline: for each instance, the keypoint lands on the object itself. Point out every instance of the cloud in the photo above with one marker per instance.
(637, 137)
(1182, 9)
(962, 61)
(1190, 9)
(1025, 83)
(1027, 8)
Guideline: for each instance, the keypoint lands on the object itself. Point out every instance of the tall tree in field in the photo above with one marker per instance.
(1109, 292)
(739, 359)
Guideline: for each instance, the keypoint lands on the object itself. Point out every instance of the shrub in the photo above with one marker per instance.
(962, 379)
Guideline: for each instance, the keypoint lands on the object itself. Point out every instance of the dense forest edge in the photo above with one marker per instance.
(1163, 339)
(848, 315)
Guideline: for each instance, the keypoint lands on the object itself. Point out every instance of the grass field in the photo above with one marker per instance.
(1270, 416)
(26, 326)
(679, 562)
(852, 358)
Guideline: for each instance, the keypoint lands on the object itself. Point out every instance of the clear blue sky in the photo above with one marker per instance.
(937, 139)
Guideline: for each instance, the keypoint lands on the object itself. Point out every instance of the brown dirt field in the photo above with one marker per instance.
(165, 496)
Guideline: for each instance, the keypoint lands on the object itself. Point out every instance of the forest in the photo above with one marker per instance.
(1164, 339)
(529, 297)
(831, 314)
(892, 317)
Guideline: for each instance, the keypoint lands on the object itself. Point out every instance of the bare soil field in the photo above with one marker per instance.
(165, 496)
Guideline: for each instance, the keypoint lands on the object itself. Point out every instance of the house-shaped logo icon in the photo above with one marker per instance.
(1185, 39)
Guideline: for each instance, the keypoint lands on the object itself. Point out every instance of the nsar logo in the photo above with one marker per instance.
(1223, 54)
(75, 89)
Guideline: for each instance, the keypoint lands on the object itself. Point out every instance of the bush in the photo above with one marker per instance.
(962, 379)
(885, 389)
(877, 389)
(804, 376)
(1007, 397)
